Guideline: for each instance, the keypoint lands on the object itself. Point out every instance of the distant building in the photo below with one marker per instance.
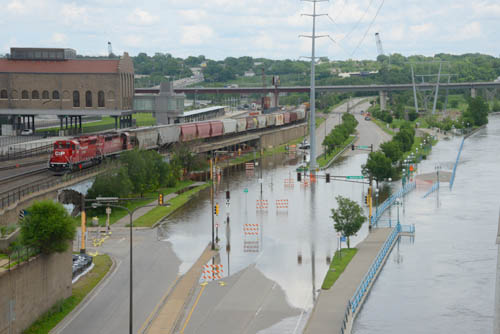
(249, 73)
(166, 106)
(51, 81)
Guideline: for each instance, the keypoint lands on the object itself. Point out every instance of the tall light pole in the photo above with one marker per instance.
(312, 128)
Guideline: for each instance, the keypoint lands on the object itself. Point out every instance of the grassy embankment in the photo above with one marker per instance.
(160, 212)
(117, 213)
(325, 159)
(49, 320)
(337, 266)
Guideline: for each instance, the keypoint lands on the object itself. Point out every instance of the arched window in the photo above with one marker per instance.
(88, 99)
(35, 95)
(100, 99)
(76, 99)
(55, 95)
(3, 94)
(25, 95)
(45, 95)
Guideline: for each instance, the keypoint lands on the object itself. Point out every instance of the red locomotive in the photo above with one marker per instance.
(81, 152)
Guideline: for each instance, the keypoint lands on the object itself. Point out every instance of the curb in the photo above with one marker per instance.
(340, 153)
(69, 317)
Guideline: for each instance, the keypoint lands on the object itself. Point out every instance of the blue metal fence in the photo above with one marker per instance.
(365, 283)
(452, 180)
(388, 202)
(435, 187)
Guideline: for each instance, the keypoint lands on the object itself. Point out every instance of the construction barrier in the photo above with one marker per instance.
(281, 204)
(262, 204)
(212, 271)
(289, 182)
(251, 246)
(251, 229)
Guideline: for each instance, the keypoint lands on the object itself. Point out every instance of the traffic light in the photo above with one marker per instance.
(371, 147)
(160, 199)
(227, 195)
(327, 177)
(299, 176)
(21, 214)
(366, 199)
(216, 209)
(352, 147)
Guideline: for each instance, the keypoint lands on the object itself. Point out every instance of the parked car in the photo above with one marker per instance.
(367, 118)
(27, 132)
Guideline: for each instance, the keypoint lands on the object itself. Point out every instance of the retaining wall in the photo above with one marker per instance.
(283, 136)
(32, 288)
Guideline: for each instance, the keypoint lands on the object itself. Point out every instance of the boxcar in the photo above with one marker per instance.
(241, 124)
(146, 139)
(203, 129)
(169, 134)
(286, 117)
(251, 123)
(301, 114)
(293, 116)
(280, 120)
(261, 121)
(229, 126)
(270, 120)
(217, 128)
(188, 132)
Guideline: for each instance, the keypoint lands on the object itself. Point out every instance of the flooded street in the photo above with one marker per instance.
(443, 282)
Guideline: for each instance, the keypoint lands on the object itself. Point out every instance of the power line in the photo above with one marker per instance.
(359, 21)
(369, 27)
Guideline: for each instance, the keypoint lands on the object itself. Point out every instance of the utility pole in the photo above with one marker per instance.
(212, 177)
(414, 88)
(312, 129)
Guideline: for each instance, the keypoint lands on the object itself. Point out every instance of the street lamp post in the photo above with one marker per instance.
(376, 200)
(105, 201)
(398, 204)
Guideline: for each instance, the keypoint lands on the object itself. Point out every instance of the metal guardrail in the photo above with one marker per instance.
(365, 283)
(452, 180)
(19, 193)
(388, 202)
(435, 187)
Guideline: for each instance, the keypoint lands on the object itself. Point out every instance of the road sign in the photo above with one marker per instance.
(245, 190)
(343, 239)
(261, 181)
(355, 177)
(364, 147)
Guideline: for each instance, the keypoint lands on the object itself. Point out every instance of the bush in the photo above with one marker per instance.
(47, 227)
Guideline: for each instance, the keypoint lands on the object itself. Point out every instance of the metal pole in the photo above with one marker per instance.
(437, 89)
(312, 130)
(131, 288)
(212, 164)
(414, 89)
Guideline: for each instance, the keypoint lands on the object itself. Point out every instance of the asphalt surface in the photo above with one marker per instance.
(107, 311)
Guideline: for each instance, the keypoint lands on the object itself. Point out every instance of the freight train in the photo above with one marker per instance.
(81, 152)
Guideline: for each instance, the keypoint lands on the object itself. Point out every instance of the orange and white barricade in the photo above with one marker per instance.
(282, 204)
(212, 272)
(262, 204)
(251, 229)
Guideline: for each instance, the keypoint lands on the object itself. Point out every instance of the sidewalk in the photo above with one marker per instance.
(328, 313)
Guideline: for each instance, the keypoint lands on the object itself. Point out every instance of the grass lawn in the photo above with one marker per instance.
(49, 320)
(117, 214)
(158, 213)
(324, 160)
(337, 266)
(319, 121)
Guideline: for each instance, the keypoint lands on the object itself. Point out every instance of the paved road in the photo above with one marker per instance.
(155, 269)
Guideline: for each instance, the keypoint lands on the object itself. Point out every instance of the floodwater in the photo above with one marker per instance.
(289, 245)
(444, 280)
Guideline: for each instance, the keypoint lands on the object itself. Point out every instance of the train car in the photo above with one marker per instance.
(188, 132)
(301, 114)
(146, 138)
(216, 128)
(230, 126)
(251, 123)
(261, 121)
(204, 130)
(241, 124)
(76, 153)
(168, 134)
(280, 120)
(111, 144)
(293, 117)
(270, 120)
(286, 117)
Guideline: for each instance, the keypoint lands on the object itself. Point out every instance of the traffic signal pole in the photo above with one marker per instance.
(212, 165)
(370, 207)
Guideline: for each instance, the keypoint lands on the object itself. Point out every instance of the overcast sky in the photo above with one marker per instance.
(257, 28)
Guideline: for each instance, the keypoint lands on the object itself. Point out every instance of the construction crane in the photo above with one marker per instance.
(379, 44)
(110, 50)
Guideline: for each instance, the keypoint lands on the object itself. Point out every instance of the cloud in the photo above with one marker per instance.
(72, 13)
(133, 41)
(423, 28)
(193, 15)
(141, 17)
(469, 31)
(58, 37)
(16, 6)
(196, 34)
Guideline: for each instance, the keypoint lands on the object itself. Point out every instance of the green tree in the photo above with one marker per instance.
(47, 227)
(348, 217)
(392, 150)
(113, 184)
(478, 111)
(378, 166)
(405, 139)
(412, 115)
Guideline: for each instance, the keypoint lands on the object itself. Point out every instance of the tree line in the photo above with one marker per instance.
(340, 133)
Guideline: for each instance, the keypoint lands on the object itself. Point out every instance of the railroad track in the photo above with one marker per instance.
(24, 179)
(26, 164)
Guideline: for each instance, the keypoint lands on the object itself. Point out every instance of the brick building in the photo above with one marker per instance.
(41, 81)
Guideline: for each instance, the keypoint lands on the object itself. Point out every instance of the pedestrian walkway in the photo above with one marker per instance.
(329, 311)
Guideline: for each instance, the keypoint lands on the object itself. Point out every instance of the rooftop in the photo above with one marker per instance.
(68, 66)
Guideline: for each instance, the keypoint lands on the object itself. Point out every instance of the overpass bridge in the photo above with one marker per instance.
(381, 88)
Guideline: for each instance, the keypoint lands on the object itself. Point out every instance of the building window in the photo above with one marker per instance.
(25, 95)
(45, 95)
(55, 95)
(3, 94)
(35, 95)
(100, 99)
(88, 99)
(76, 99)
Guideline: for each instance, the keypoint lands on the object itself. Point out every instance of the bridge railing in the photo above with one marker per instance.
(388, 202)
(452, 180)
(434, 187)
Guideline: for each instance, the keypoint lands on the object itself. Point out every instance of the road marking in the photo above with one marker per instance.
(160, 303)
(192, 309)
